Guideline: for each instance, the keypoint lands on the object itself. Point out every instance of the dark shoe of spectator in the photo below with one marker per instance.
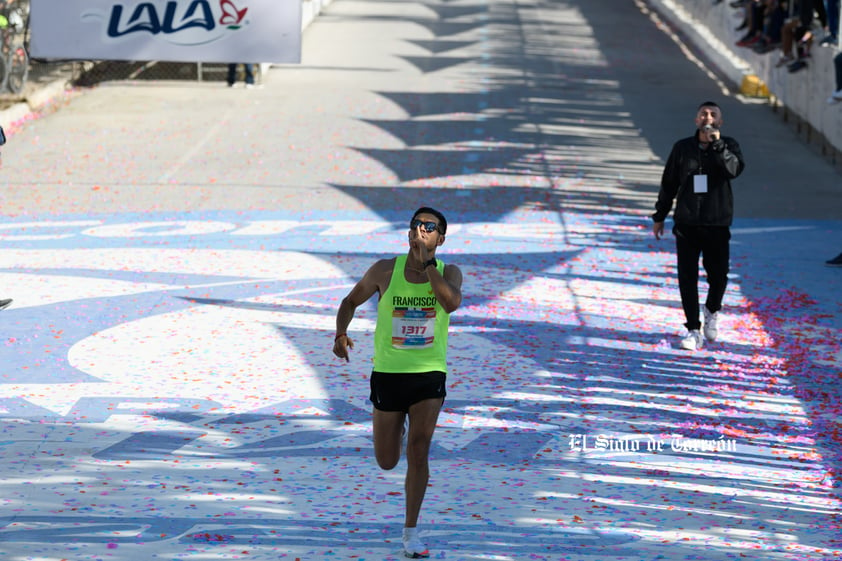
(764, 47)
(828, 41)
(799, 64)
(737, 3)
(835, 262)
(749, 40)
(835, 97)
(5, 303)
(784, 61)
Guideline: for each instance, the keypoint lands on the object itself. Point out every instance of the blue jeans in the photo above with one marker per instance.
(232, 73)
(832, 8)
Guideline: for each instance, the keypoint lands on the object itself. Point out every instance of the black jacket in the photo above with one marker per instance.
(722, 161)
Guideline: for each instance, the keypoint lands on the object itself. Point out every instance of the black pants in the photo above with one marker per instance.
(712, 244)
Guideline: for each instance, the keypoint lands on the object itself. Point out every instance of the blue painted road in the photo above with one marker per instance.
(168, 387)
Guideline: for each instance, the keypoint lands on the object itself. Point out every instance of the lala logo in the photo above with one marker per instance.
(197, 18)
(230, 15)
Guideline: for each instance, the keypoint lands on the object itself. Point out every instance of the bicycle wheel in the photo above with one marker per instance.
(17, 65)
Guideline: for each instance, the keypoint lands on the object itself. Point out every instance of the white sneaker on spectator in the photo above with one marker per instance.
(835, 97)
(710, 324)
(692, 341)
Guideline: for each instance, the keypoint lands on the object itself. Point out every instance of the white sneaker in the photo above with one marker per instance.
(412, 546)
(692, 341)
(710, 324)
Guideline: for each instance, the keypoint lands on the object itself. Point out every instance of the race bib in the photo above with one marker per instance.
(413, 328)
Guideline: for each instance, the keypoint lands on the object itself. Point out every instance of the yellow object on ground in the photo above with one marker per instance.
(753, 86)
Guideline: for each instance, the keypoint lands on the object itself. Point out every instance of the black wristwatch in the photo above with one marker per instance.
(432, 262)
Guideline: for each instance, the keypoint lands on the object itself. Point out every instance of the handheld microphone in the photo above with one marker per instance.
(707, 129)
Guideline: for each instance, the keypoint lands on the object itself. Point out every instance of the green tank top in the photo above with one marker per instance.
(411, 330)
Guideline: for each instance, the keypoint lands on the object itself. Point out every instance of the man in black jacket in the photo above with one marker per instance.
(698, 177)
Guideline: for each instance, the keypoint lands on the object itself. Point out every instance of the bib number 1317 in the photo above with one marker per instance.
(413, 328)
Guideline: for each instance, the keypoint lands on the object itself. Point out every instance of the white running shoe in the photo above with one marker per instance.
(412, 546)
(709, 328)
(692, 341)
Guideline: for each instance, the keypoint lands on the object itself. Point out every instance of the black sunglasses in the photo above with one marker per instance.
(428, 226)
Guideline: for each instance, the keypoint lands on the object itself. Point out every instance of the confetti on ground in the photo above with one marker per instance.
(169, 390)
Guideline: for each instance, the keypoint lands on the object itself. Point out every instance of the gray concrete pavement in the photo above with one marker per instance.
(176, 253)
(314, 124)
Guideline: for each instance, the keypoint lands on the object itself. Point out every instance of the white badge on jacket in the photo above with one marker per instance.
(700, 183)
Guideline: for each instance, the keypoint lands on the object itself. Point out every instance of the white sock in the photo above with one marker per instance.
(412, 544)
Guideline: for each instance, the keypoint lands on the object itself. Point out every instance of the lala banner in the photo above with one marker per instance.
(167, 30)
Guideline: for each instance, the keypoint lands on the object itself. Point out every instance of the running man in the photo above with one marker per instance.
(417, 294)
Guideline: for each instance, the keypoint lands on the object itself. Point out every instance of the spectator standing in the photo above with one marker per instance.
(698, 176)
(248, 71)
(832, 8)
(836, 96)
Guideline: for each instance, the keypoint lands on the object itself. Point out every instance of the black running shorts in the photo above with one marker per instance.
(396, 392)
